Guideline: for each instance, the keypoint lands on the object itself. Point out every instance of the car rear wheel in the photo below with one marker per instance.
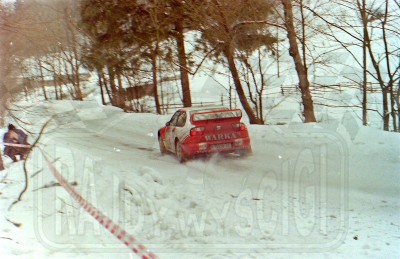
(179, 152)
(163, 150)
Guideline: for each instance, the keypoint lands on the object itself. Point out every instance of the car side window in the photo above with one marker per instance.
(181, 120)
(174, 119)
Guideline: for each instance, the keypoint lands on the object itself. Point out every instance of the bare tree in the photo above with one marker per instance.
(375, 32)
(390, 71)
(45, 31)
(363, 11)
(301, 70)
(65, 47)
(254, 75)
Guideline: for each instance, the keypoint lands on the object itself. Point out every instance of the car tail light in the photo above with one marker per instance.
(197, 131)
(238, 126)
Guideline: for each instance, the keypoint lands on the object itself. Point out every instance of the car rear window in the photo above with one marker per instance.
(214, 115)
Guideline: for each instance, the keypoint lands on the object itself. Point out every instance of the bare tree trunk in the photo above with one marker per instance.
(60, 91)
(392, 107)
(386, 114)
(397, 100)
(42, 79)
(257, 98)
(155, 80)
(2, 122)
(260, 93)
(229, 54)
(364, 47)
(59, 80)
(55, 84)
(73, 59)
(3, 109)
(121, 91)
(105, 84)
(77, 83)
(303, 36)
(379, 74)
(249, 72)
(390, 74)
(239, 88)
(304, 84)
(1, 162)
(76, 76)
(114, 94)
(79, 95)
(100, 82)
(187, 99)
(396, 94)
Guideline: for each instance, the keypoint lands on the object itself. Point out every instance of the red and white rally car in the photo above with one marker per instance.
(199, 131)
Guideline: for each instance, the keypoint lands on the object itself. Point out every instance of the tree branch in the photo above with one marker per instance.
(234, 27)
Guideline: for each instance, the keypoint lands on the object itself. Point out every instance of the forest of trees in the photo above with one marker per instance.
(131, 44)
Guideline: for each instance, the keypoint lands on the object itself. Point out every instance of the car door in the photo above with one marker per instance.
(170, 131)
(176, 128)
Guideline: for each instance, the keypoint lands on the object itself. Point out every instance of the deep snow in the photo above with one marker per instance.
(308, 191)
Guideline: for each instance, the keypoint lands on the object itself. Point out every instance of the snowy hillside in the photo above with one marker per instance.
(328, 189)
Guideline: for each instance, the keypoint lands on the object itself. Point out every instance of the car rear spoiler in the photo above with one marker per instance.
(216, 115)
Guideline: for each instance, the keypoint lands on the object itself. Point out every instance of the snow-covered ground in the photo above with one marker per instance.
(310, 190)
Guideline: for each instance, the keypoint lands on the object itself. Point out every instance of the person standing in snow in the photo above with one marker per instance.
(15, 136)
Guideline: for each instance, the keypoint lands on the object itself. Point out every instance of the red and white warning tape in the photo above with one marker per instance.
(106, 222)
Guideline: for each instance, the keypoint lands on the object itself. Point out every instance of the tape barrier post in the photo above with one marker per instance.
(105, 221)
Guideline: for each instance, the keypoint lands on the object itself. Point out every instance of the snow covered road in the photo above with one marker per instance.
(307, 188)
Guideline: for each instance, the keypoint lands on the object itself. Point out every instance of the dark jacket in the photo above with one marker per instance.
(18, 137)
(22, 137)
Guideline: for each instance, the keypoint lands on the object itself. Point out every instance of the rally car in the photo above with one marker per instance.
(201, 131)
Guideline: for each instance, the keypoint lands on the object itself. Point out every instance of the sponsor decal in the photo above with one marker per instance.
(225, 136)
